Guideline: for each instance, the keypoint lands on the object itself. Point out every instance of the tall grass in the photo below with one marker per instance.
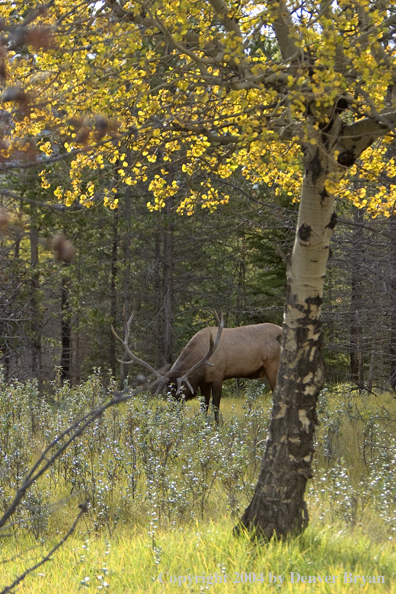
(166, 486)
(127, 562)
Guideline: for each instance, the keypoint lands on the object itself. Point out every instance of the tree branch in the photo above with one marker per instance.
(60, 157)
(221, 9)
(348, 223)
(358, 136)
(283, 27)
(368, 127)
(83, 509)
(58, 207)
(74, 431)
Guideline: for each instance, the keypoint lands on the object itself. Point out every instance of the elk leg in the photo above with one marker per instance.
(206, 392)
(271, 372)
(216, 397)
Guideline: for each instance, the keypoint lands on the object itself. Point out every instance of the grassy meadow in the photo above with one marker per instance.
(166, 488)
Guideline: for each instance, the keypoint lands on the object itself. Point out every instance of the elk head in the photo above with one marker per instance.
(173, 383)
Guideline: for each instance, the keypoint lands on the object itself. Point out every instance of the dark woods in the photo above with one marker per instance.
(65, 278)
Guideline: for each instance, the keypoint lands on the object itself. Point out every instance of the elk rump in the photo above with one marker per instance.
(245, 352)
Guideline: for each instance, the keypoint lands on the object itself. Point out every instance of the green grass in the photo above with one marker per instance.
(166, 489)
(131, 562)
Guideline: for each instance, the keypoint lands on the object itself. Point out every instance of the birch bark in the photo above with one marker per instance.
(278, 505)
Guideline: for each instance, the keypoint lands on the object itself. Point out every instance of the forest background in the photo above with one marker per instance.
(172, 270)
(176, 260)
(152, 160)
(147, 167)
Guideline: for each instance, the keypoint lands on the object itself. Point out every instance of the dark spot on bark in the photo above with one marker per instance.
(315, 166)
(325, 128)
(317, 301)
(326, 125)
(333, 222)
(311, 301)
(301, 334)
(314, 261)
(304, 232)
(306, 472)
(323, 195)
(342, 104)
(347, 158)
(288, 292)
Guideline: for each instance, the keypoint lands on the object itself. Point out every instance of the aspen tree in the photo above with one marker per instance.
(190, 87)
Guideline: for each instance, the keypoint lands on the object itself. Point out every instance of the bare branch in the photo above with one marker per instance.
(360, 135)
(223, 140)
(74, 431)
(83, 509)
(342, 221)
(8, 165)
(368, 127)
(229, 23)
(284, 29)
(59, 207)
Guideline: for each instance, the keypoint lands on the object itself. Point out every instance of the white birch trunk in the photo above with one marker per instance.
(278, 504)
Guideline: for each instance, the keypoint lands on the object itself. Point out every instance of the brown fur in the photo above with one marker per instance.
(245, 352)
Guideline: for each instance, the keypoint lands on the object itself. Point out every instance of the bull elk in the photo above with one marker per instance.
(245, 352)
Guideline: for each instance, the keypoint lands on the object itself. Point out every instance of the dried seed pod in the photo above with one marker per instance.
(101, 127)
(5, 219)
(64, 250)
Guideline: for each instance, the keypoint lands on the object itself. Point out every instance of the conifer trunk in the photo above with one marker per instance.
(356, 354)
(36, 315)
(113, 292)
(126, 297)
(66, 329)
(278, 505)
(168, 283)
(392, 350)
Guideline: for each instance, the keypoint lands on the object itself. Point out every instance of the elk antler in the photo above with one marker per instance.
(204, 361)
(133, 358)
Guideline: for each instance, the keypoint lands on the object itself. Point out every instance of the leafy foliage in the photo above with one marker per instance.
(195, 91)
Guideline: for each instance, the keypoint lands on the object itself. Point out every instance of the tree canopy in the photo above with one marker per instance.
(198, 88)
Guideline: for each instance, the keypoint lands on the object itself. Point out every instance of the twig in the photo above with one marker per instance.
(348, 223)
(75, 430)
(83, 509)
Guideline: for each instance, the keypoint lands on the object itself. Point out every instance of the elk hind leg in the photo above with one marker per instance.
(271, 371)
